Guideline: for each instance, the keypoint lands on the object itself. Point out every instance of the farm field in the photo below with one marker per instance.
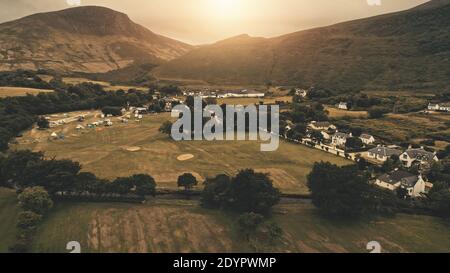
(333, 112)
(138, 147)
(406, 127)
(106, 85)
(183, 226)
(20, 91)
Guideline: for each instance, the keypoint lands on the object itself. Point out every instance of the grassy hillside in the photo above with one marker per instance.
(404, 50)
(88, 39)
(182, 226)
(8, 218)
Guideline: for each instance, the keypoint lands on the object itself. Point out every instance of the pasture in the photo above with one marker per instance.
(138, 147)
(333, 112)
(397, 128)
(182, 226)
(20, 91)
(106, 85)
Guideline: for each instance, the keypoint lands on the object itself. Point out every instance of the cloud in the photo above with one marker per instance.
(73, 3)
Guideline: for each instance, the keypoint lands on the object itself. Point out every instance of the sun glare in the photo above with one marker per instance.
(226, 9)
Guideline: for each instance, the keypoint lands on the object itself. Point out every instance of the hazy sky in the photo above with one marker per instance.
(206, 21)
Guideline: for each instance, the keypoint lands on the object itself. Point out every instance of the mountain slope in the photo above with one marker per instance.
(88, 39)
(404, 50)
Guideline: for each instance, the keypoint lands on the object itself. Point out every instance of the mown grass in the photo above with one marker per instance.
(105, 154)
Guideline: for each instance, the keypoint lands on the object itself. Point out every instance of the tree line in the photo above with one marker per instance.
(20, 113)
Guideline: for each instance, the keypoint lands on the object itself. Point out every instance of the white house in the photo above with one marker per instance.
(382, 153)
(413, 184)
(342, 106)
(339, 139)
(367, 139)
(301, 92)
(442, 107)
(321, 126)
(418, 156)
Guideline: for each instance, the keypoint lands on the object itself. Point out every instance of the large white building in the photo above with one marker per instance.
(418, 156)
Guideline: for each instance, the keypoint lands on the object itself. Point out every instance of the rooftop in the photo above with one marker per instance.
(399, 176)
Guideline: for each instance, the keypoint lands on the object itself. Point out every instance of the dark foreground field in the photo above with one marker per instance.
(182, 226)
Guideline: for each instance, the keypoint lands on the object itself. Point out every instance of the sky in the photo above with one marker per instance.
(207, 21)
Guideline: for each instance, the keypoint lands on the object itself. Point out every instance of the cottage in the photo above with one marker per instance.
(418, 156)
(342, 106)
(441, 107)
(321, 126)
(413, 184)
(383, 153)
(141, 110)
(367, 139)
(339, 139)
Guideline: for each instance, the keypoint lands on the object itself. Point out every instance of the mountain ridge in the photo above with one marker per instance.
(88, 39)
(401, 50)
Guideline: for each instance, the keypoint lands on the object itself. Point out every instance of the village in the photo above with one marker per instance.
(321, 135)
(413, 161)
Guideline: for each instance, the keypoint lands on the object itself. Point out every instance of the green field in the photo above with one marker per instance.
(106, 152)
(182, 226)
(8, 218)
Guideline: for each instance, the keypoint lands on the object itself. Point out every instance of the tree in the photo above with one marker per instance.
(187, 180)
(214, 194)
(317, 136)
(251, 192)
(249, 222)
(377, 112)
(110, 110)
(440, 199)
(362, 164)
(144, 184)
(35, 199)
(28, 220)
(122, 185)
(166, 128)
(275, 231)
(345, 192)
(354, 143)
(43, 123)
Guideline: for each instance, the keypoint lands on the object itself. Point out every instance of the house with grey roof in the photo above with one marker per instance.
(419, 156)
(383, 153)
(367, 139)
(413, 184)
(339, 139)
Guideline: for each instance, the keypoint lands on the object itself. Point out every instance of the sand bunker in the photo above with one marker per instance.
(185, 157)
(133, 149)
